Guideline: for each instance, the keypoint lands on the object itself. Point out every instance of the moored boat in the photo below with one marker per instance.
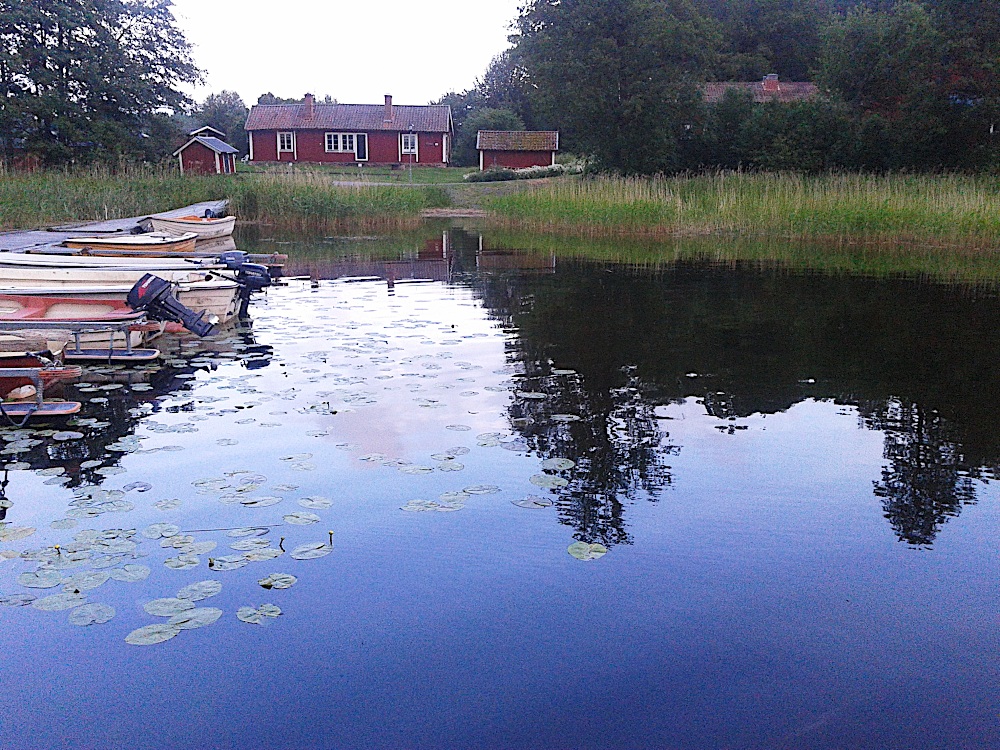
(207, 228)
(158, 243)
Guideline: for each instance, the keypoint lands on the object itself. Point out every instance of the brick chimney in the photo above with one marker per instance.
(388, 107)
(310, 107)
(771, 83)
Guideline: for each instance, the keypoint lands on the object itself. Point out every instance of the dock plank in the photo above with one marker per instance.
(21, 240)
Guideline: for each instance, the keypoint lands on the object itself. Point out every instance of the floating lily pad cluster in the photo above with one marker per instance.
(341, 361)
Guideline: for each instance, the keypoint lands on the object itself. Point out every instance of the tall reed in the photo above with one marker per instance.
(952, 209)
(296, 201)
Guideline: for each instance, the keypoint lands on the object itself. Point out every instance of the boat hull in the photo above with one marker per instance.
(206, 229)
(198, 291)
(159, 243)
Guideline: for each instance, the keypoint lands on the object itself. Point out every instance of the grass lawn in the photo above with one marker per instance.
(348, 173)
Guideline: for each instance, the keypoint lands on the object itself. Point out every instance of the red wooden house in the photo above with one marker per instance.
(517, 149)
(770, 89)
(350, 133)
(206, 154)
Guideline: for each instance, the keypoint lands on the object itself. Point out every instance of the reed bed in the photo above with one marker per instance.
(296, 201)
(960, 210)
(310, 201)
(803, 255)
(55, 197)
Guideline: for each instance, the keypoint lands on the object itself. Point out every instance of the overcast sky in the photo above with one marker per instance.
(354, 51)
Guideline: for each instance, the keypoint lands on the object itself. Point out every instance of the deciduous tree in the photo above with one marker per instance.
(79, 78)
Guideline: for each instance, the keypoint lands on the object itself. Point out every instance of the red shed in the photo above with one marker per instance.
(206, 155)
(350, 133)
(516, 149)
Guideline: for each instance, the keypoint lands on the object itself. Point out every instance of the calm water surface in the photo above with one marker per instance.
(791, 475)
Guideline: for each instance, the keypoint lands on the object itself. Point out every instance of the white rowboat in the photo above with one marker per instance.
(205, 228)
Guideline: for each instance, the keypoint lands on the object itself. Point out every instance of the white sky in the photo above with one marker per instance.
(354, 51)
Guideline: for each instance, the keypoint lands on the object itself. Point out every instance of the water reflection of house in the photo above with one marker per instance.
(509, 259)
(432, 262)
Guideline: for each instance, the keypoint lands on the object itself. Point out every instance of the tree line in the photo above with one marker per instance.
(903, 84)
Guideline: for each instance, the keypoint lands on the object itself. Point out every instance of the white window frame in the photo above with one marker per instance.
(291, 140)
(413, 149)
(342, 143)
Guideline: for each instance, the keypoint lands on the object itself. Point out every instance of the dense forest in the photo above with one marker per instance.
(900, 84)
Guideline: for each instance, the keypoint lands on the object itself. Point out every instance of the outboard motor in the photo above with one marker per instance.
(153, 295)
(251, 277)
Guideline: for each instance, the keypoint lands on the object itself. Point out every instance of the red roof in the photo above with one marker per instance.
(431, 118)
(783, 91)
(517, 140)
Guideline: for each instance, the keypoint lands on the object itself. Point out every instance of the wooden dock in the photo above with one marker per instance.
(39, 239)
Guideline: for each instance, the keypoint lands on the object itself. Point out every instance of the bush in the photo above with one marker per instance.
(499, 174)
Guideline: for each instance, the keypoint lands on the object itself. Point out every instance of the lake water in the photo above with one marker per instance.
(785, 482)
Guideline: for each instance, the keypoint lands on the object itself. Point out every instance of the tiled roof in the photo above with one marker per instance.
(431, 118)
(219, 147)
(517, 140)
(787, 91)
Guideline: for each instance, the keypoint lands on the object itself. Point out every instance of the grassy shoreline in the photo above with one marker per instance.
(958, 210)
(895, 213)
(301, 201)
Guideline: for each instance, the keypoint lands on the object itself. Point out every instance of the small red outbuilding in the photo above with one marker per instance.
(206, 154)
(517, 149)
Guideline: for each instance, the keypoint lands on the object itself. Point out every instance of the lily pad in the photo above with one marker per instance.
(158, 530)
(183, 561)
(130, 573)
(242, 531)
(195, 618)
(59, 602)
(311, 551)
(532, 501)
(229, 562)
(278, 581)
(195, 592)
(91, 614)
(259, 615)
(167, 607)
(558, 464)
(548, 481)
(585, 551)
(481, 489)
(86, 581)
(17, 600)
(301, 518)
(252, 543)
(152, 634)
(14, 533)
(260, 502)
(259, 555)
(316, 502)
(40, 579)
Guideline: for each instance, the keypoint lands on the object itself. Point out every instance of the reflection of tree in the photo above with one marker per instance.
(759, 341)
(926, 481)
(618, 447)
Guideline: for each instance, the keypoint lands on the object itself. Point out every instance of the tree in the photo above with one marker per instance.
(769, 36)
(226, 112)
(505, 86)
(616, 77)
(484, 119)
(81, 78)
(892, 69)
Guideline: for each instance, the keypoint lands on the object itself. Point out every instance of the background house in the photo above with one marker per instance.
(516, 149)
(350, 133)
(206, 153)
(768, 90)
